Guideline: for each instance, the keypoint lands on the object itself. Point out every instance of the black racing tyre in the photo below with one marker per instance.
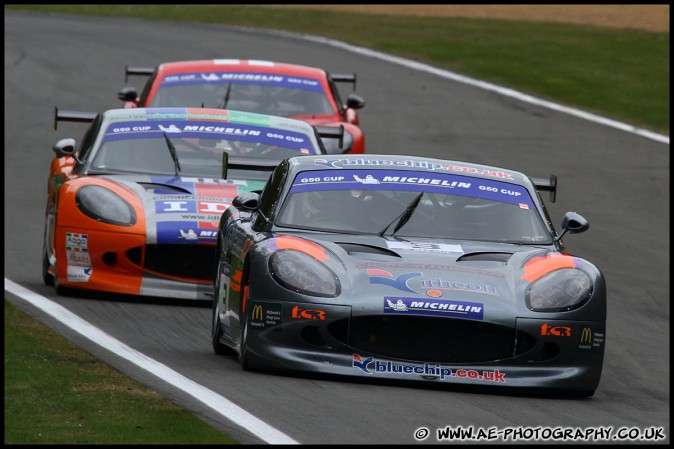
(60, 290)
(47, 278)
(218, 347)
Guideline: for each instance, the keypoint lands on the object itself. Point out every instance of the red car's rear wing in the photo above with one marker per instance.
(344, 78)
(142, 71)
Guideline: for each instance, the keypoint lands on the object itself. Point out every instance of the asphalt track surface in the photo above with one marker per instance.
(619, 181)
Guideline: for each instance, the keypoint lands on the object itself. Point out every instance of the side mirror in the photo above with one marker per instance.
(247, 201)
(573, 223)
(64, 147)
(354, 101)
(128, 94)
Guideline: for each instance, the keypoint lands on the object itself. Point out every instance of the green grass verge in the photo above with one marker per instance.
(57, 393)
(622, 74)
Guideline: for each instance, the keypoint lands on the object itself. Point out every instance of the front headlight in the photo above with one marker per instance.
(559, 291)
(104, 205)
(332, 145)
(302, 273)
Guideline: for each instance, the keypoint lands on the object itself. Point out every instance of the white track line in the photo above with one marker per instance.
(208, 397)
(477, 83)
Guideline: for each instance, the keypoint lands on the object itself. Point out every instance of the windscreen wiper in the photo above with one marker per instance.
(174, 155)
(226, 99)
(403, 218)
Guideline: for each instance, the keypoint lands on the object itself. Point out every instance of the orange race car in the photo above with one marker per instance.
(134, 208)
(289, 90)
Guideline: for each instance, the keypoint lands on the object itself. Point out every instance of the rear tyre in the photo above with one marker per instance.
(60, 290)
(218, 347)
(47, 277)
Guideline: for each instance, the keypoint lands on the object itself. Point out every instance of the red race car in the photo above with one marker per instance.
(134, 207)
(288, 90)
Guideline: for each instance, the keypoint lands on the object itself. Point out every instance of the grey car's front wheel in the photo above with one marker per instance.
(218, 347)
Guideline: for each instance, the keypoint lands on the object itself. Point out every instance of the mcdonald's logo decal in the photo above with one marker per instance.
(590, 339)
(265, 314)
(256, 315)
(586, 336)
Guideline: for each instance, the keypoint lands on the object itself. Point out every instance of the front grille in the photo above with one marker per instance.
(436, 340)
(184, 261)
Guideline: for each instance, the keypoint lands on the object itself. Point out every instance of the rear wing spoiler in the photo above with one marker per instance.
(344, 78)
(247, 163)
(547, 185)
(141, 71)
(331, 132)
(72, 116)
(260, 164)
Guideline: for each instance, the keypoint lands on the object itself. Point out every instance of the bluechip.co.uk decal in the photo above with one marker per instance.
(424, 165)
(370, 365)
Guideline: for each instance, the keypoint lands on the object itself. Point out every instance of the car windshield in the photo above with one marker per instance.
(150, 146)
(390, 202)
(276, 95)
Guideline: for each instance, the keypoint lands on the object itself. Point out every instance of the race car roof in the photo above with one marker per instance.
(239, 65)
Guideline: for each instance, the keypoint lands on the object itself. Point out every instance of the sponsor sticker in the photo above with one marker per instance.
(259, 79)
(433, 307)
(395, 245)
(79, 274)
(265, 314)
(195, 129)
(413, 181)
(78, 258)
(370, 365)
(77, 242)
(590, 339)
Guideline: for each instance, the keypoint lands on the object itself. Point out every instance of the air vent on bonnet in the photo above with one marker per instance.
(485, 257)
(357, 250)
(151, 186)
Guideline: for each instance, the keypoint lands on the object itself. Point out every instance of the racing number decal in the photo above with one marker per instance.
(235, 281)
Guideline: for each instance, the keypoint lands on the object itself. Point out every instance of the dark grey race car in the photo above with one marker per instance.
(408, 268)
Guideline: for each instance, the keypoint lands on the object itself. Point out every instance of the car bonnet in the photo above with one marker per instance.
(464, 280)
(183, 209)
